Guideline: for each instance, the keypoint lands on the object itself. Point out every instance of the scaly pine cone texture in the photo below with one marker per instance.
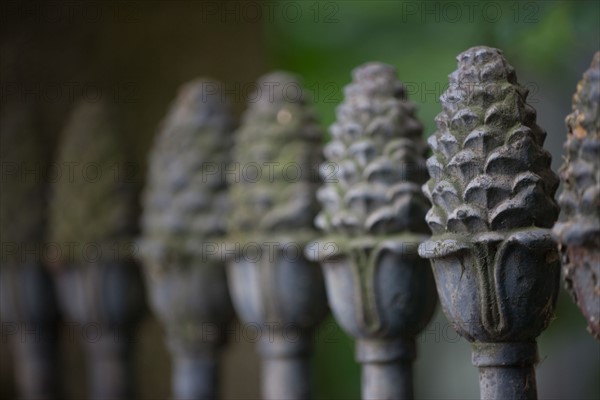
(185, 200)
(376, 163)
(277, 153)
(489, 171)
(580, 200)
(24, 159)
(578, 231)
(93, 204)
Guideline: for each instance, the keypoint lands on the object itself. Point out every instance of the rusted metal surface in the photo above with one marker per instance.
(578, 229)
(185, 216)
(381, 292)
(274, 286)
(495, 264)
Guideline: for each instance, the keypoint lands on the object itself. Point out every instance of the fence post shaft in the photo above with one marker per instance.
(37, 368)
(506, 371)
(195, 376)
(286, 372)
(386, 368)
(110, 368)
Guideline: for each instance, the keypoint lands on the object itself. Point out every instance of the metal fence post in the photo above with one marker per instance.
(183, 225)
(373, 211)
(92, 220)
(495, 264)
(274, 181)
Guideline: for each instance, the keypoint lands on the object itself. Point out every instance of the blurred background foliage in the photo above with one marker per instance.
(155, 46)
(550, 44)
(551, 40)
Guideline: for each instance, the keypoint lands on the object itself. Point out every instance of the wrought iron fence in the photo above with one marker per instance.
(259, 218)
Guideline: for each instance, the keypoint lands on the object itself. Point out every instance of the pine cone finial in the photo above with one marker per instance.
(373, 213)
(93, 202)
(23, 185)
(580, 200)
(489, 171)
(375, 160)
(578, 230)
(277, 151)
(185, 200)
(492, 194)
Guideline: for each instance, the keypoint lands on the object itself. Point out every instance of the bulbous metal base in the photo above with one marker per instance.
(105, 302)
(285, 296)
(383, 295)
(193, 305)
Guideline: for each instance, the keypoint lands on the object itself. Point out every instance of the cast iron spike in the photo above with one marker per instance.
(494, 261)
(184, 219)
(27, 297)
(373, 210)
(578, 230)
(92, 220)
(276, 152)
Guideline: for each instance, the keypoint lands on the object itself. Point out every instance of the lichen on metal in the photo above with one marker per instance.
(578, 229)
(277, 153)
(185, 200)
(373, 214)
(93, 202)
(274, 179)
(489, 170)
